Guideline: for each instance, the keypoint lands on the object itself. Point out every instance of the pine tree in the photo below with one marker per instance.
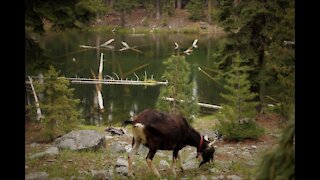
(58, 105)
(195, 8)
(279, 163)
(237, 113)
(123, 7)
(256, 29)
(179, 88)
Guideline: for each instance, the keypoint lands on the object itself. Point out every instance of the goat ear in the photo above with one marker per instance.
(206, 138)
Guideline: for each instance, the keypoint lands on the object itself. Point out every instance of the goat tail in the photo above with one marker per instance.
(126, 122)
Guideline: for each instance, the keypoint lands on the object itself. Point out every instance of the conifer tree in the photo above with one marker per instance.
(256, 29)
(124, 7)
(179, 88)
(237, 113)
(195, 8)
(58, 105)
(279, 163)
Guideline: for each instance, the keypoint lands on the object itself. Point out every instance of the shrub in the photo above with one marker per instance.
(239, 131)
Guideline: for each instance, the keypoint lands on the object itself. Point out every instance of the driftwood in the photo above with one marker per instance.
(39, 114)
(200, 104)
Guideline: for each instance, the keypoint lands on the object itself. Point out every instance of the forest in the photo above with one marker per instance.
(226, 66)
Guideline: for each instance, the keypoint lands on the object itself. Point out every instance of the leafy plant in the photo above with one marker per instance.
(239, 106)
(58, 106)
(179, 88)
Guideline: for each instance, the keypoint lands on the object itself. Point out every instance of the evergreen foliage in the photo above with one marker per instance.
(62, 14)
(258, 29)
(179, 87)
(279, 163)
(58, 106)
(195, 8)
(239, 105)
(124, 7)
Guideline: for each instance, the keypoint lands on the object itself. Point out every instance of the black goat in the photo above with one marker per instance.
(161, 131)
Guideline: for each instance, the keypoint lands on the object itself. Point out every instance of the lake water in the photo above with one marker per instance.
(121, 101)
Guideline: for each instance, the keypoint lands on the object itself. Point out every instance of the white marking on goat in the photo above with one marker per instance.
(138, 133)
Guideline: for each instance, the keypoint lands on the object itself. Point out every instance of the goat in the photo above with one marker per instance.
(162, 131)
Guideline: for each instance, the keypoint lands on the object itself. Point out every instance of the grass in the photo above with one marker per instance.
(146, 30)
(80, 163)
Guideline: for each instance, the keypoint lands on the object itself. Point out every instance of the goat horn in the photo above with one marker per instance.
(211, 143)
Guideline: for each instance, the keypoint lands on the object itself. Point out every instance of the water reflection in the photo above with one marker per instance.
(123, 101)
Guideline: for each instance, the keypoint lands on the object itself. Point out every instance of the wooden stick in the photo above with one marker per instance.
(39, 114)
(200, 104)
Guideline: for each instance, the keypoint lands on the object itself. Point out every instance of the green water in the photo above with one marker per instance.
(121, 100)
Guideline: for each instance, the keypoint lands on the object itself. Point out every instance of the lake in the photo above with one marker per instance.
(121, 101)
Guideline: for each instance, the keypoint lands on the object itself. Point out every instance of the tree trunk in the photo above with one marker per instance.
(122, 19)
(179, 6)
(158, 9)
(210, 3)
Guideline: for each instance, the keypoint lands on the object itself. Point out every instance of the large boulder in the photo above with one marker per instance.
(81, 139)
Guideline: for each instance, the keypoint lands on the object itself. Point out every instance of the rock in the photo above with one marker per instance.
(77, 178)
(37, 176)
(234, 177)
(121, 162)
(57, 178)
(202, 177)
(128, 148)
(254, 147)
(81, 139)
(34, 144)
(101, 175)
(107, 137)
(204, 25)
(221, 177)
(191, 164)
(115, 131)
(214, 170)
(163, 164)
(117, 147)
(191, 156)
(122, 170)
(51, 151)
(160, 154)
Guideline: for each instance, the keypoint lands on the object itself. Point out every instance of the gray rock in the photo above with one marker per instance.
(191, 164)
(34, 144)
(51, 151)
(81, 139)
(160, 154)
(202, 177)
(107, 137)
(77, 178)
(117, 147)
(101, 175)
(204, 25)
(234, 177)
(221, 177)
(57, 178)
(191, 156)
(115, 131)
(254, 147)
(128, 148)
(37, 176)
(121, 162)
(214, 170)
(122, 170)
(163, 164)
